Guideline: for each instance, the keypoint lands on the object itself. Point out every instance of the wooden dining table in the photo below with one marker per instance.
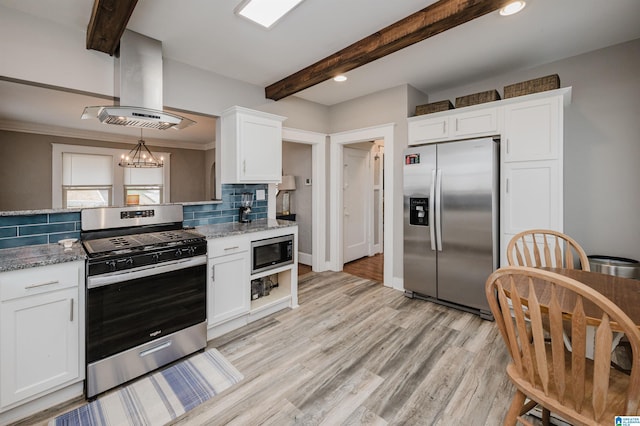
(624, 292)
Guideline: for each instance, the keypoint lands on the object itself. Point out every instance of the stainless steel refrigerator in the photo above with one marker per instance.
(451, 207)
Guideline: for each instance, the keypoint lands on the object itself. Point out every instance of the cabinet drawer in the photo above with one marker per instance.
(27, 282)
(227, 245)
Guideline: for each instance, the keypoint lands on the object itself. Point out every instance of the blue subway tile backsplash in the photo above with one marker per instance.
(25, 230)
(227, 211)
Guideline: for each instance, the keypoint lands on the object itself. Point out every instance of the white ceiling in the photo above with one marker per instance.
(207, 34)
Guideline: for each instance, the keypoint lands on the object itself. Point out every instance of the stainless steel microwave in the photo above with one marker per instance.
(271, 253)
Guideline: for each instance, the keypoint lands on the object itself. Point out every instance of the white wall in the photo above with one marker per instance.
(601, 144)
(296, 161)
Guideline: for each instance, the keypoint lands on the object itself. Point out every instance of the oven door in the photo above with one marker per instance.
(126, 309)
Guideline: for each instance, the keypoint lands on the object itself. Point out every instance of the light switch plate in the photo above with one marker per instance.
(260, 194)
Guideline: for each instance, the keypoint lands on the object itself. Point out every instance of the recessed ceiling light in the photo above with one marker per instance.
(340, 78)
(513, 7)
(266, 12)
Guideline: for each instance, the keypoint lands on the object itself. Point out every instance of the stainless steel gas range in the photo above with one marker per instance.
(146, 292)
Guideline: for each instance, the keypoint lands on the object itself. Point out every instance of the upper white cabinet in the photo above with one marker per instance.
(41, 338)
(532, 130)
(250, 146)
(450, 125)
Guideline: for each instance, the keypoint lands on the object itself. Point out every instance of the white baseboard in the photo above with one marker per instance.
(305, 258)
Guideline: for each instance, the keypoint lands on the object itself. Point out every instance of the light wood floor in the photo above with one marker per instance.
(358, 353)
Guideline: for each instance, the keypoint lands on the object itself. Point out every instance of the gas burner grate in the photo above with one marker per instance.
(120, 242)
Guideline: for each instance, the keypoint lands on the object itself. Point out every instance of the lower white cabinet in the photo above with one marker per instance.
(40, 331)
(229, 300)
(229, 294)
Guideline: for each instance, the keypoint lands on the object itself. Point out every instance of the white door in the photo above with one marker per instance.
(357, 203)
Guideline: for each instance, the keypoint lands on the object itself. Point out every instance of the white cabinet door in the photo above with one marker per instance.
(229, 286)
(532, 196)
(428, 130)
(533, 130)
(482, 122)
(250, 146)
(39, 343)
(260, 149)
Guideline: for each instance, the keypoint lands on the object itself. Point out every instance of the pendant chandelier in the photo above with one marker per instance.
(140, 157)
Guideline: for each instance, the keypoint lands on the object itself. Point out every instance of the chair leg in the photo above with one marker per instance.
(546, 417)
(514, 409)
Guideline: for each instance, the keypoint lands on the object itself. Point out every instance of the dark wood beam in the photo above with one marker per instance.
(434, 19)
(108, 21)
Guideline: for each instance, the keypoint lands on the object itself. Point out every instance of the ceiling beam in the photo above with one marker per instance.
(434, 19)
(108, 21)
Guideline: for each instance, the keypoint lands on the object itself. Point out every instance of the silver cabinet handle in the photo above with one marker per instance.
(244, 166)
(213, 272)
(42, 284)
(508, 146)
(432, 202)
(71, 310)
(231, 248)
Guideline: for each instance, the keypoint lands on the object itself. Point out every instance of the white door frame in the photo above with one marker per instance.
(338, 140)
(318, 191)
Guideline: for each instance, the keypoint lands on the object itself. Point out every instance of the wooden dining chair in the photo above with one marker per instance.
(544, 247)
(579, 390)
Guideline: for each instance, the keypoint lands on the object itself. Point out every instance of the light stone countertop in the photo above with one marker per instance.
(39, 255)
(234, 228)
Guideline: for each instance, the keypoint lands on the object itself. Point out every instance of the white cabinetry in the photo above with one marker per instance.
(532, 166)
(447, 125)
(41, 337)
(229, 304)
(250, 146)
(228, 292)
(532, 130)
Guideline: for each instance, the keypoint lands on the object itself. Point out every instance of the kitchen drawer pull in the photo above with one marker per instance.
(71, 311)
(231, 248)
(42, 284)
(155, 349)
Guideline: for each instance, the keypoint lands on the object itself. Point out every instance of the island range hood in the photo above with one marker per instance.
(138, 84)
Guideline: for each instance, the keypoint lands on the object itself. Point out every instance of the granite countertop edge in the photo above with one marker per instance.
(78, 210)
(26, 257)
(222, 230)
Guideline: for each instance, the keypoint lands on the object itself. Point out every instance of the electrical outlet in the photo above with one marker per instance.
(307, 182)
(260, 194)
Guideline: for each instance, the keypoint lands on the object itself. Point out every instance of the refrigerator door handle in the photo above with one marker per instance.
(432, 230)
(438, 212)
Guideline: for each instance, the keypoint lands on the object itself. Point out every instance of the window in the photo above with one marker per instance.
(87, 180)
(143, 186)
(86, 176)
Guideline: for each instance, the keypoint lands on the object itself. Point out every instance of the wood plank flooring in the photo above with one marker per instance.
(370, 268)
(357, 353)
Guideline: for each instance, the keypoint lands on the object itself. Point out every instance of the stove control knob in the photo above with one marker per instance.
(129, 261)
(111, 264)
(155, 257)
(178, 252)
(191, 250)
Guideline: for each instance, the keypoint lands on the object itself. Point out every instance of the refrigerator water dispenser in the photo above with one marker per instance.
(419, 211)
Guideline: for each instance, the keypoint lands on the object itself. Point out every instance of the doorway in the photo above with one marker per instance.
(339, 142)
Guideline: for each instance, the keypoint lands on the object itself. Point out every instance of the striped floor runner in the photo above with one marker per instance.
(159, 398)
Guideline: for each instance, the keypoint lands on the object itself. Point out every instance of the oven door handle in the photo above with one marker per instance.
(147, 271)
